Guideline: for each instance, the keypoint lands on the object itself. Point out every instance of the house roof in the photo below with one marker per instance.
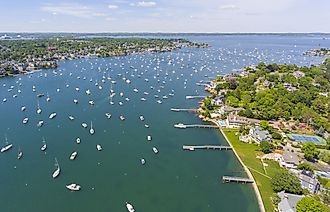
(262, 134)
(288, 201)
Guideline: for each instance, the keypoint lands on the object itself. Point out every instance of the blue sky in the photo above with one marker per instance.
(165, 16)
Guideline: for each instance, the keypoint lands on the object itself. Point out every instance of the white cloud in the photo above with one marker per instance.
(76, 10)
(112, 6)
(229, 7)
(146, 4)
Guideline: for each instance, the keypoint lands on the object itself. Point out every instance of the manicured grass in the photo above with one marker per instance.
(248, 154)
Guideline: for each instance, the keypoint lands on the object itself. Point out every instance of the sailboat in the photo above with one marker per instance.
(57, 170)
(91, 130)
(44, 146)
(7, 146)
(38, 108)
(20, 153)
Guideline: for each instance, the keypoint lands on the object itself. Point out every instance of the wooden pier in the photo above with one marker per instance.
(228, 179)
(184, 126)
(213, 147)
(195, 97)
(183, 110)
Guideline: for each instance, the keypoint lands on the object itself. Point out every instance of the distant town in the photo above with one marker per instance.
(25, 55)
(277, 118)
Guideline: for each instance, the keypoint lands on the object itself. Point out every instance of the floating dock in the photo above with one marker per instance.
(213, 147)
(229, 179)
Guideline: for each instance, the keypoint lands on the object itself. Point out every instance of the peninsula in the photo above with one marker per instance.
(25, 55)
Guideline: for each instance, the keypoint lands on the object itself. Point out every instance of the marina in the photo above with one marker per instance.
(120, 123)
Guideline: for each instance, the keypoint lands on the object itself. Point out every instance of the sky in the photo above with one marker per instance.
(218, 16)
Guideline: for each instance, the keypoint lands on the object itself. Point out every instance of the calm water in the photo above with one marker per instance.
(172, 180)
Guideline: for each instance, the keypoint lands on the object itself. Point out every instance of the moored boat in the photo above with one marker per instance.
(73, 187)
(130, 207)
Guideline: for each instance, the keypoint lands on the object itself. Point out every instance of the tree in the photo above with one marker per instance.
(266, 147)
(309, 204)
(325, 156)
(285, 181)
(305, 166)
(310, 151)
(276, 135)
(264, 125)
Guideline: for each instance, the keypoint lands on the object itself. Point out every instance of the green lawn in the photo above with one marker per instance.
(248, 154)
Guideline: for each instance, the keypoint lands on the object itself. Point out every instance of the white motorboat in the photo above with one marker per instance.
(25, 120)
(122, 118)
(130, 207)
(40, 123)
(84, 125)
(52, 115)
(98, 147)
(78, 140)
(73, 187)
(73, 155)
(23, 108)
(91, 102)
(108, 115)
(135, 90)
(88, 92)
(75, 101)
(143, 99)
(4, 100)
(149, 138)
(143, 161)
(141, 118)
(146, 126)
(71, 118)
(155, 150)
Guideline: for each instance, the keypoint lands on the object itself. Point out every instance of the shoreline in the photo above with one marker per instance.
(246, 169)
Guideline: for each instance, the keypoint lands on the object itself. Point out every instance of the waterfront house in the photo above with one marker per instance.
(288, 201)
(218, 100)
(258, 135)
(309, 181)
(234, 121)
(298, 74)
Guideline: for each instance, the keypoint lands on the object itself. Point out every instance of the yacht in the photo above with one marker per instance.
(73, 155)
(130, 207)
(91, 130)
(149, 138)
(71, 118)
(73, 187)
(78, 140)
(98, 147)
(52, 115)
(91, 102)
(57, 170)
(25, 120)
(155, 150)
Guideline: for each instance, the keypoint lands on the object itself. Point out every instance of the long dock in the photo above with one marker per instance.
(228, 179)
(195, 97)
(184, 126)
(183, 110)
(213, 147)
